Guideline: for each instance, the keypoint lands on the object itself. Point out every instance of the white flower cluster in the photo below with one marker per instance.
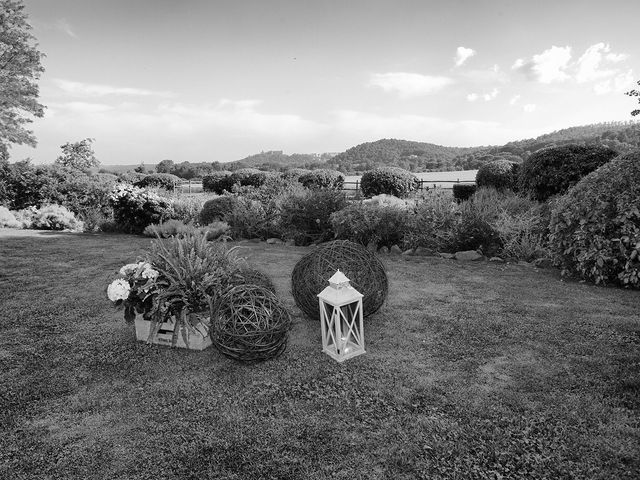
(118, 290)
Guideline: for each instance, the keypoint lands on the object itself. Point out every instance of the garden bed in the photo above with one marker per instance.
(472, 370)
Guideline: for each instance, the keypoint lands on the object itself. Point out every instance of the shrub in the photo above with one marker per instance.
(135, 208)
(248, 219)
(364, 223)
(217, 209)
(305, 215)
(473, 230)
(553, 170)
(388, 180)
(55, 217)
(217, 182)
(176, 228)
(158, 180)
(131, 177)
(294, 173)
(433, 222)
(8, 219)
(187, 208)
(595, 227)
(322, 178)
(249, 177)
(463, 191)
(523, 235)
(499, 174)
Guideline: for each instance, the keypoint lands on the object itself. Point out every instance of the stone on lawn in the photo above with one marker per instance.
(448, 256)
(396, 250)
(383, 250)
(496, 260)
(423, 252)
(274, 241)
(468, 256)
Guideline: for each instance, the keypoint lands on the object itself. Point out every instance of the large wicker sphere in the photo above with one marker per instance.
(365, 270)
(250, 323)
(253, 276)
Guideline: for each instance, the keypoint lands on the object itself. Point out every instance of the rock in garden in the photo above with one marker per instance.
(274, 241)
(408, 252)
(423, 252)
(290, 243)
(383, 251)
(496, 260)
(396, 250)
(448, 256)
(468, 256)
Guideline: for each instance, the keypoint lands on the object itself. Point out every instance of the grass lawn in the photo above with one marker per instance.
(472, 371)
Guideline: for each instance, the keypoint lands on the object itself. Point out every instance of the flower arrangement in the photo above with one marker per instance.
(179, 280)
(136, 290)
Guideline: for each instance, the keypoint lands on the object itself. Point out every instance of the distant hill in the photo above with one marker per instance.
(418, 156)
(413, 156)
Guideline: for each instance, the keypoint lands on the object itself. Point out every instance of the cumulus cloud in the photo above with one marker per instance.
(547, 67)
(409, 84)
(462, 55)
(590, 62)
(618, 83)
(515, 99)
(81, 89)
(472, 97)
(529, 107)
(490, 96)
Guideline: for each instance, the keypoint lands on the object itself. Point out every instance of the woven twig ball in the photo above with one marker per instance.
(249, 322)
(253, 276)
(365, 270)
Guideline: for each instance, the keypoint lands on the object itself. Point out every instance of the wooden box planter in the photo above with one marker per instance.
(193, 337)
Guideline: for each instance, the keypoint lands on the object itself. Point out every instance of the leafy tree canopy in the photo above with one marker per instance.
(634, 93)
(78, 155)
(20, 67)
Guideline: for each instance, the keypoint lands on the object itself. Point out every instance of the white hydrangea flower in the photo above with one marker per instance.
(118, 290)
(129, 269)
(150, 273)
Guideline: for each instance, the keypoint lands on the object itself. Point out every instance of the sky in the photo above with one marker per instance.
(218, 80)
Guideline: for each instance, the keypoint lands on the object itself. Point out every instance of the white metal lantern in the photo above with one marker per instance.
(341, 319)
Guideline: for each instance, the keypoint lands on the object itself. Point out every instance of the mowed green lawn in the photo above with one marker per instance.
(472, 371)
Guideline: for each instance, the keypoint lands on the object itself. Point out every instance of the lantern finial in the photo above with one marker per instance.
(339, 280)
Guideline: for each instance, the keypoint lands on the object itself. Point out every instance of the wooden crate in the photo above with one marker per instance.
(197, 337)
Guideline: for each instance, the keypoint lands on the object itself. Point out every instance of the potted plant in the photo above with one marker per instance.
(169, 294)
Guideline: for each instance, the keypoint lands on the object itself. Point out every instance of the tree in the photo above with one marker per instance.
(78, 155)
(634, 93)
(20, 67)
(165, 166)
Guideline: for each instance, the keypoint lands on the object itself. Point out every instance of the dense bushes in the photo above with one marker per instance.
(388, 180)
(595, 227)
(305, 215)
(55, 217)
(217, 209)
(217, 182)
(135, 208)
(322, 178)
(371, 223)
(158, 180)
(553, 170)
(499, 174)
(249, 177)
(463, 191)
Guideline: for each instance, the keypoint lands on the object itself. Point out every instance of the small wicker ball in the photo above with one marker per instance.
(253, 276)
(364, 269)
(250, 323)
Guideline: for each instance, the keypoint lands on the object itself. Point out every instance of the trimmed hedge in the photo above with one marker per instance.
(322, 178)
(595, 227)
(390, 181)
(463, 191)
(249, 177)
(554, 170)
(159, 180)
(499, 174)
(217, 182)
(217, 209)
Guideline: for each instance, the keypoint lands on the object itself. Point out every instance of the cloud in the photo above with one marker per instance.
(515, 99)
(462, 55)
(81, 89)
(590, 61)
(490, 96)
(547, 67)
(529, 107)
(64, 26)
(409, 84)
(472, 97)
(618, 83)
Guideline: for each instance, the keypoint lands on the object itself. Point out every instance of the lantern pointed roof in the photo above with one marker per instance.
(338, 278)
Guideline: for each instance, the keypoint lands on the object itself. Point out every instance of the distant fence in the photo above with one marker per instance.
(189, 186)
(424, 184)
